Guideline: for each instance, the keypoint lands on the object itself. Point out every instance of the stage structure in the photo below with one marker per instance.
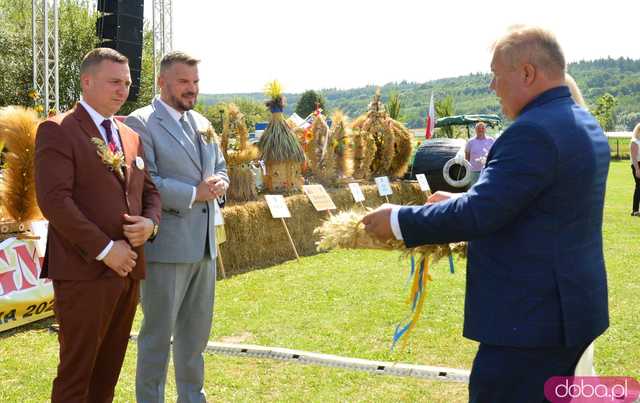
(162, 34)
(44, 42)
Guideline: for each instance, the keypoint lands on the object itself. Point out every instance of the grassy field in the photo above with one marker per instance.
(347, 303)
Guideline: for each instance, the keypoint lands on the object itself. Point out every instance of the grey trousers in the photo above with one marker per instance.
(177, 300)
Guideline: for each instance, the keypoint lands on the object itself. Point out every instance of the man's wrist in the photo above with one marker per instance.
(154, 230)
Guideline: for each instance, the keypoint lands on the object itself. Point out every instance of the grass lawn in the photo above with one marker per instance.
(347, 303)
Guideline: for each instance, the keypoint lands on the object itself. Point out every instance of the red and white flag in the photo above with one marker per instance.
(431, 119)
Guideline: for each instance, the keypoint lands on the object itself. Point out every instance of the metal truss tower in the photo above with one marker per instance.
(44, 37)
(162, 34)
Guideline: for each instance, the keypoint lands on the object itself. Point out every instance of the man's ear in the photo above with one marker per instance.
(528, 74)
(85, 80)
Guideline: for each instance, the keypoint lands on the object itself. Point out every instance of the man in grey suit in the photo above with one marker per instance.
(177, 296)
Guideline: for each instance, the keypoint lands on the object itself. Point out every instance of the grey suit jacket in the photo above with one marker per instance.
(175, 168)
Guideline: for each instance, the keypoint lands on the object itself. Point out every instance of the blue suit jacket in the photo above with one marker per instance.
(535, 270)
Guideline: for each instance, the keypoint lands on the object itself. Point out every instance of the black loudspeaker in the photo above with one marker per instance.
(121, 28)
(133, 52)
(134, 8)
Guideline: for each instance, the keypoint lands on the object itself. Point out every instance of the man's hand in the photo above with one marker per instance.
(438, 197)
(139, 230)
(208, 189)
(216, 185)
(378, 223)
(121, 258)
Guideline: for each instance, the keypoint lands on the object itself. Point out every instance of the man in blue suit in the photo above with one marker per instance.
(536, 292)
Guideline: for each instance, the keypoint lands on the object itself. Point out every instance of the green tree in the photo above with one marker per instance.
(16, 77)
(604, 111)
(77, 36)
(445, 107)
(76, 31)
(254, 112)
(214, 113)
(308, 102)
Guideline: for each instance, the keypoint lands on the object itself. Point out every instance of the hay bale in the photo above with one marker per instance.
(255, 240)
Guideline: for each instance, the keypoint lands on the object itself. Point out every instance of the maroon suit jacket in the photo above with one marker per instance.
(83, 200)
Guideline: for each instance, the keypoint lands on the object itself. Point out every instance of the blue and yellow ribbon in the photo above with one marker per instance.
(418, 294)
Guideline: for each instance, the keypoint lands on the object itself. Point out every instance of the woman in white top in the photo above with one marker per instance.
(635, 168)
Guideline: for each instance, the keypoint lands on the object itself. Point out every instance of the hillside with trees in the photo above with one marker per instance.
(617, 77)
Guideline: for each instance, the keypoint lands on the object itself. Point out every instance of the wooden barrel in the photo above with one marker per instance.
(430, 159)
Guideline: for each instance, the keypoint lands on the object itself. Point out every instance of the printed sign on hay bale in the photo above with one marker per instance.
(384, 187)
(356, 192)
(279, 209)
(422, 181)
(319, 197)
(277, 206)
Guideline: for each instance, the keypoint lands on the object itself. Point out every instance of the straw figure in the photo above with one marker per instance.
(391, 141)
(238, 154)
(320, 151)
(18, 127)
(341, 142)
(280, 149)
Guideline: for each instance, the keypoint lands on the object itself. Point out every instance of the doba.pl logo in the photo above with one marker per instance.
(591, 389)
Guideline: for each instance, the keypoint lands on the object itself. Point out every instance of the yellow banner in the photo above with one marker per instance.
(24, 297)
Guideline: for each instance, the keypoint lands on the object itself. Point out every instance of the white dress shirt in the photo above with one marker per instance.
(97, 120)
(395, 224)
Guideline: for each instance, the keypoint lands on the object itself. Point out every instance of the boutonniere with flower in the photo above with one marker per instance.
(112, 159)
(209, 135)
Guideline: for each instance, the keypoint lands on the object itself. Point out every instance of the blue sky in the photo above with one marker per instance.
(346, 44)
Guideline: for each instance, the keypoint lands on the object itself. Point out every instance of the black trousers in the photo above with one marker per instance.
(636, 192)
(502, 374)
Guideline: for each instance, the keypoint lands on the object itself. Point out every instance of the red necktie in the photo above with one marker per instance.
(110, 140)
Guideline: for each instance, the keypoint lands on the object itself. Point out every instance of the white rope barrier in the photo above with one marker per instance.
(328, 360)
(334, 361)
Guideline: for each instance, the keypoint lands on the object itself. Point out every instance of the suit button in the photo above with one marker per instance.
(204, 210)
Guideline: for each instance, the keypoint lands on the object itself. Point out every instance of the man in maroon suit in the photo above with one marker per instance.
(101, 210)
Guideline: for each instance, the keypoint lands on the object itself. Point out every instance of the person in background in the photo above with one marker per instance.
(536, 289)
(585, 366)
(634, 153)
(476, 151)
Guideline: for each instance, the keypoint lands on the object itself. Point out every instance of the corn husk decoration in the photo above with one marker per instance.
(279, 147)
(341, 145)
(346, 231)
(320, 151)
(239, 154)
(18, 128)
(392, 141)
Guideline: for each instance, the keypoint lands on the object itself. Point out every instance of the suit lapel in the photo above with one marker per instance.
(86, 123)
(90, 130)
(171, 126)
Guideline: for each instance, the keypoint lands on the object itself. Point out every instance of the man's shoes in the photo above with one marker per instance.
(635, 213)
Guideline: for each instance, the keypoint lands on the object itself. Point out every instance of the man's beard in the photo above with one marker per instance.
(181, 105)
